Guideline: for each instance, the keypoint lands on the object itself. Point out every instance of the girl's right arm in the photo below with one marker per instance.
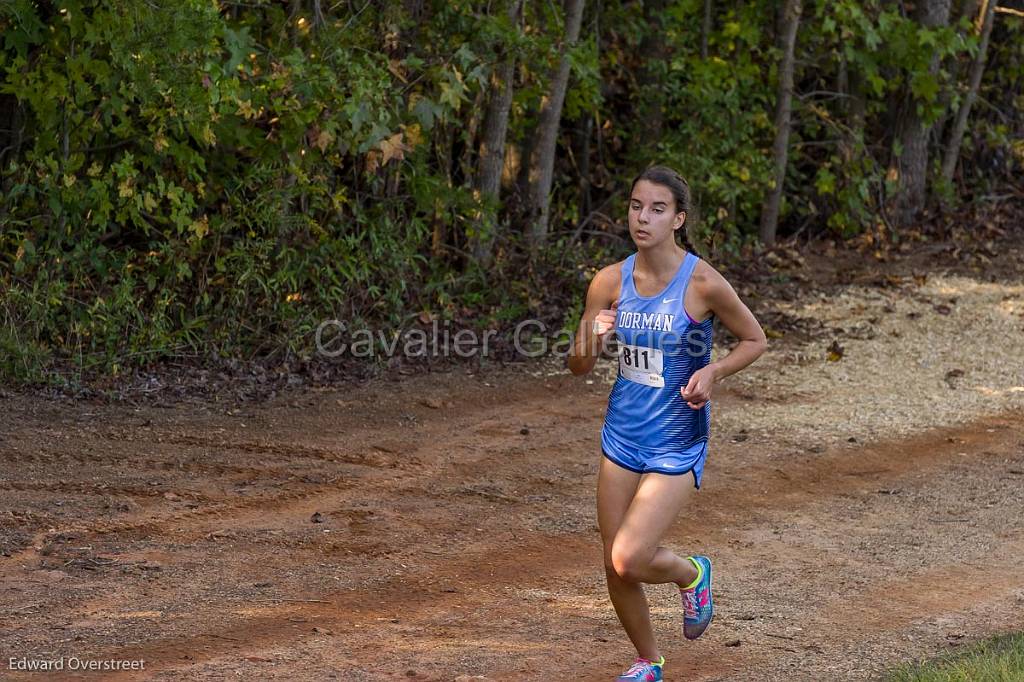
(598, 319)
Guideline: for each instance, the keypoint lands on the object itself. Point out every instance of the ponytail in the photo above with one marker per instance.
(685, 239)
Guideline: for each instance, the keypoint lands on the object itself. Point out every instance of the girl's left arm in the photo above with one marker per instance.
(724, 302)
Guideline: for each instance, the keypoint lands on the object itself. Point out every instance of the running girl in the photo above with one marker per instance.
(659, 303)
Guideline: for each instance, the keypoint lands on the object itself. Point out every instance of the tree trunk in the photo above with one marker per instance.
(705, 30)
(294, 12)
(783, 112)
(521, 165)
(542, 162)
(11, 125)
(444, 142)
(953, 67)
(583, 131)
(987, 16)
(651, 99)
(492, 149)
(969, 8)
(858, 106)
(911, 166)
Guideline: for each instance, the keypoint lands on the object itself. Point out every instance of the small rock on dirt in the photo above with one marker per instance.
(733, 642)
(221, 535)
(317, 517)
(433, 403)
(50, 576)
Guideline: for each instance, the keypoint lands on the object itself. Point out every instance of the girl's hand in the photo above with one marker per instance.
(698, 390)
(605, 321)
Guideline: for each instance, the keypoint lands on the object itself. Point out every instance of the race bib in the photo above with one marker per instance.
(642, 365)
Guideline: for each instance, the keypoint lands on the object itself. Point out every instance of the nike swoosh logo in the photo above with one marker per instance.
(668, 300)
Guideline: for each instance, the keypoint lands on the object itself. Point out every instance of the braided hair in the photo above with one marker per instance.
(667, 177)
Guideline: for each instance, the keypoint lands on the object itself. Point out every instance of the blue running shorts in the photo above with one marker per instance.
(690, 460)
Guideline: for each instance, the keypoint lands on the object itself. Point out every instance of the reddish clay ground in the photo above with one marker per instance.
(458, 540)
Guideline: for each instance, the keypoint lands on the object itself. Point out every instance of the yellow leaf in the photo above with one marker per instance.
(835, 352)
(159, 143)
(149, 202)
(245, 109)
(200, 227)
(772, 333)
(208, 136)
(393, 148)
(413, 135)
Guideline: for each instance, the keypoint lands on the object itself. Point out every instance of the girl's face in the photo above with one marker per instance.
(652, 215)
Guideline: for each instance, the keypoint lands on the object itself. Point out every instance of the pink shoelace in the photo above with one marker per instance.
(638, 665)
(689, 602)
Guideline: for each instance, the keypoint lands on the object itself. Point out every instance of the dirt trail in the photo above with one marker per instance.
(859, 512)
(454, 544)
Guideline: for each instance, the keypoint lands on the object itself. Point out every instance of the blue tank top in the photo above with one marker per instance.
(660, 347)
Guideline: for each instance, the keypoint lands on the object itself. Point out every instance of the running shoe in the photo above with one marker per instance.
(698, 608)
(643, 671)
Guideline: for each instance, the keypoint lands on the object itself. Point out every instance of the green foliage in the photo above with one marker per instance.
(206, 176)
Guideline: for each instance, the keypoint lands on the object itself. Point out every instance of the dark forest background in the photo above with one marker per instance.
(208, 179)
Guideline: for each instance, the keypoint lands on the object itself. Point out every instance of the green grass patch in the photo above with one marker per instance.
(1000, 659)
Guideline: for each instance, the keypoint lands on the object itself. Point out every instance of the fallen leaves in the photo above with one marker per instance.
(834, 352)
(952, 375)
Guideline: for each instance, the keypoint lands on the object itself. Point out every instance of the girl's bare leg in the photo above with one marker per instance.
(634, 512)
